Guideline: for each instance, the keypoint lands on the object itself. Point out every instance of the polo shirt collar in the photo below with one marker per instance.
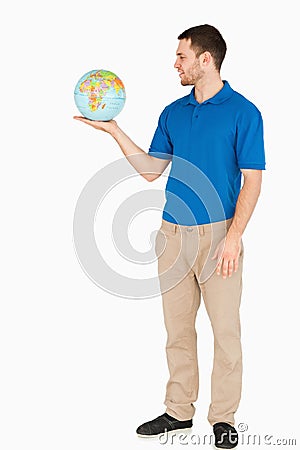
(220, 97)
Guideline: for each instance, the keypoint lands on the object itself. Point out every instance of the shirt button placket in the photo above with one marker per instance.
(197, 111)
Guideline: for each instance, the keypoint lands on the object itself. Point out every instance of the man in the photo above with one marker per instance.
(219, 133)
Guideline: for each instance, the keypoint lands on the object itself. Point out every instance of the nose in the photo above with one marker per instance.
(176, 64)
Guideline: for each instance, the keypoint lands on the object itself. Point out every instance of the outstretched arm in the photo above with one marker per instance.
(146, 165)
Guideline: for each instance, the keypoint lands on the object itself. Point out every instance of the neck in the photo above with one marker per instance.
(207, 88)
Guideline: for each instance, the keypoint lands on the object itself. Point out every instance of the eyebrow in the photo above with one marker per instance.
(179, 53)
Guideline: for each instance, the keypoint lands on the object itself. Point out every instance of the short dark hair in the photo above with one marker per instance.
(206, 38)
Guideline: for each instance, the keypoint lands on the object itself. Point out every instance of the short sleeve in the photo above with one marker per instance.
(250, 150)
(161, 146)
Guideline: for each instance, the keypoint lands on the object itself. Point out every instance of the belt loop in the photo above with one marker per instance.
(175, 228)
(202, 230)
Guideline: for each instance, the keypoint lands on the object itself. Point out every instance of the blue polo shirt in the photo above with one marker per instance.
(208, 143)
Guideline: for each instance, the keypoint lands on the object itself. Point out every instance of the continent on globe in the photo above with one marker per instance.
(100, 95)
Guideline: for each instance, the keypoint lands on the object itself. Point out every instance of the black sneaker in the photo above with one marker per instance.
(226, 435)
(162, 424)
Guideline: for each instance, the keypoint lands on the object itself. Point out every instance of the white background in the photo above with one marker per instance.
(81, 368)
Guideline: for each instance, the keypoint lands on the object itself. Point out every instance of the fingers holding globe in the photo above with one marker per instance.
(99, 95)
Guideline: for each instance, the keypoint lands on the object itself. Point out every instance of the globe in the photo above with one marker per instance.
(100, 95)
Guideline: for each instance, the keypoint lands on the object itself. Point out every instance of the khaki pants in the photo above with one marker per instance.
(187, 272)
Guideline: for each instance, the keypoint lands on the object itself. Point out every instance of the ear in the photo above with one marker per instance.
(205, 58)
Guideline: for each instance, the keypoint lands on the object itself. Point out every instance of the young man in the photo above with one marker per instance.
(219, 133)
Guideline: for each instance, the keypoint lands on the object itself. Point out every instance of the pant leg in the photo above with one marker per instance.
(181, 300)
(222, 301)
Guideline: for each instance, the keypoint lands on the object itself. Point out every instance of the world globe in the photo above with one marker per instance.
(100, 95)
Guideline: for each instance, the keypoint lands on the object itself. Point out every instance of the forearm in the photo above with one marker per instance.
(138, 158)
(148, 166)
(246, 203)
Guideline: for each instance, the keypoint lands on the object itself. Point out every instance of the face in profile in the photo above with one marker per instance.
(187, 64)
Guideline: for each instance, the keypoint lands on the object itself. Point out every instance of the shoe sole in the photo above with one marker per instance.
(177, 431)
(224, 448)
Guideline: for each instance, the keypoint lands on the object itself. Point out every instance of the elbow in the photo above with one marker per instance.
(259, 191)
(150, 177)
(259, 188)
